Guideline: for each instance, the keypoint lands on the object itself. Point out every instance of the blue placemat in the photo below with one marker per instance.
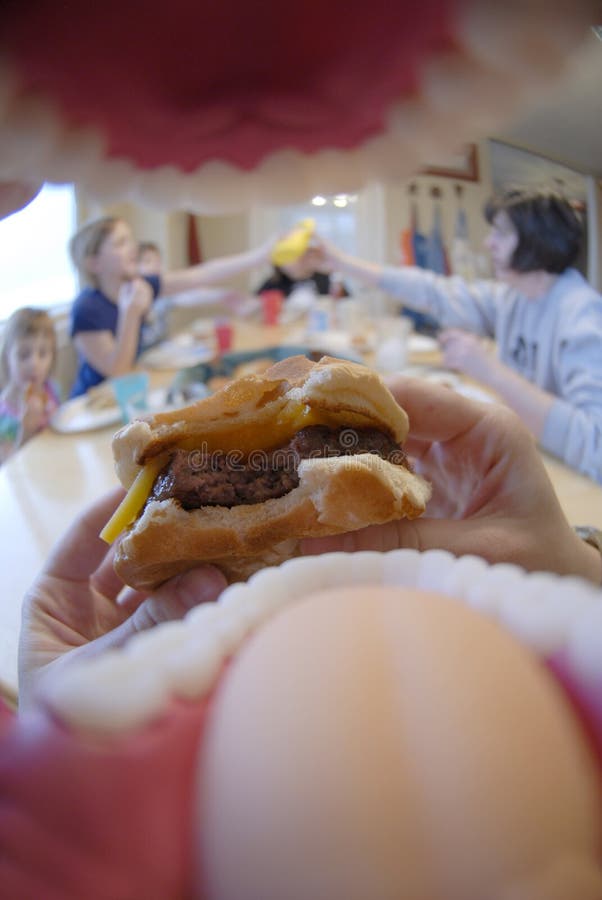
(191, 383)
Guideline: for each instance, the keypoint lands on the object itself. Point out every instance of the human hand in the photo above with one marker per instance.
(238, 303)
(265, 250)
(467, 353)
(325, 255)
(32, 412)
(491, 494)
(71, 609)
(135, 296)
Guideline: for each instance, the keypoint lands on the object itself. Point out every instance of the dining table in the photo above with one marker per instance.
(56, 475)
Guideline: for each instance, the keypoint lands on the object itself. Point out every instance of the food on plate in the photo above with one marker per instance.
(238, 478)
(295, 244)
(217, 382)
(253, 367)
(100, 397)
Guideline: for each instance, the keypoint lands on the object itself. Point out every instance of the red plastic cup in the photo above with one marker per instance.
(272, 304)
(224, 335)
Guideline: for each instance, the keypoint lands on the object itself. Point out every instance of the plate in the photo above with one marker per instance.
(179, 353)
(334, 343)
(79, 415)
(422, 343)
(451, 379)
(431, 373)
(191, 384)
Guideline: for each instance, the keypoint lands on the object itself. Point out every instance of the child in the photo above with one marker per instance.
(156, 326)
(29, 397)
(149, 258)
(108, 315)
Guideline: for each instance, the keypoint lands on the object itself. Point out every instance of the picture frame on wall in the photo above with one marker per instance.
(462, 165)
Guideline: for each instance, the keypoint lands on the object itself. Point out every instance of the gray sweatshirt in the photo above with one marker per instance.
(554, 341)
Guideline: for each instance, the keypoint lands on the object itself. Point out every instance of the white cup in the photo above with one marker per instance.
(393, 340)
(348, 314)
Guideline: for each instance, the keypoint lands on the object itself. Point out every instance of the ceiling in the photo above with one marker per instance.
(566, 126)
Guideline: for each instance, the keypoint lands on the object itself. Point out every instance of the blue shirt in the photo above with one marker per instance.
(93, 311)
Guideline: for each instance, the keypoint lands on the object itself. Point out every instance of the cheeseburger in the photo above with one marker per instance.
(237, 479)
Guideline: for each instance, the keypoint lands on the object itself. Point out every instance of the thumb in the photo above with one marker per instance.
(171, 600)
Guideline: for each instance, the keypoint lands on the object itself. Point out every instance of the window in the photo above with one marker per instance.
(335, 218)
(34, 260)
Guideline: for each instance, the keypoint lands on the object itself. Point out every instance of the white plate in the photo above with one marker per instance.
(422, 343)
(78, 415)
(451, 379)
(430, 373)
(202, 329)
(334, 343)
(180, 353)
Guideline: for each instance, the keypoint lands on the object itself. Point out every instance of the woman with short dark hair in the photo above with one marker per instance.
(549, 229)
(544, 316)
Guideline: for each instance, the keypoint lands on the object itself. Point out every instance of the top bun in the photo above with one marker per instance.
(349, 390)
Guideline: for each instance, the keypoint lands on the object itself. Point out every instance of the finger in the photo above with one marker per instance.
(177, 596)
(451, 357)
(183, 592)
(105, 579)
(448, 333)
(381, 538)
(80, 551)
(129, 598)
(171, 601)
(436, 413)
(458, 537)
(445, 335)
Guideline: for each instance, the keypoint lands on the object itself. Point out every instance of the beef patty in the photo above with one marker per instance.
(217, 478)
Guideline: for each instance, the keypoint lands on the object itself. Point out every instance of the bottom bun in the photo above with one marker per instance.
(334, 495)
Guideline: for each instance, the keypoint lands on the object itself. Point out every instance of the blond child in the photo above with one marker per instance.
(29, 396)
(108, 315)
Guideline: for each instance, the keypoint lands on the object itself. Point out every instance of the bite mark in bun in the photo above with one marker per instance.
(239, 478)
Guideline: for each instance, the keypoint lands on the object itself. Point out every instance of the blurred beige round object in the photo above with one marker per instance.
(406, 749)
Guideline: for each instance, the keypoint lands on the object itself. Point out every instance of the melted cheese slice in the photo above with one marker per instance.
(293, 418)
(244, 438)
(133, 501)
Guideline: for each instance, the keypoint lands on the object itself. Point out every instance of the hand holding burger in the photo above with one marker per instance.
(238, 479)
(491, 495)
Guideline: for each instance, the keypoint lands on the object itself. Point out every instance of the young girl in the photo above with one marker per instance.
(29, 397)
(108, 315)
